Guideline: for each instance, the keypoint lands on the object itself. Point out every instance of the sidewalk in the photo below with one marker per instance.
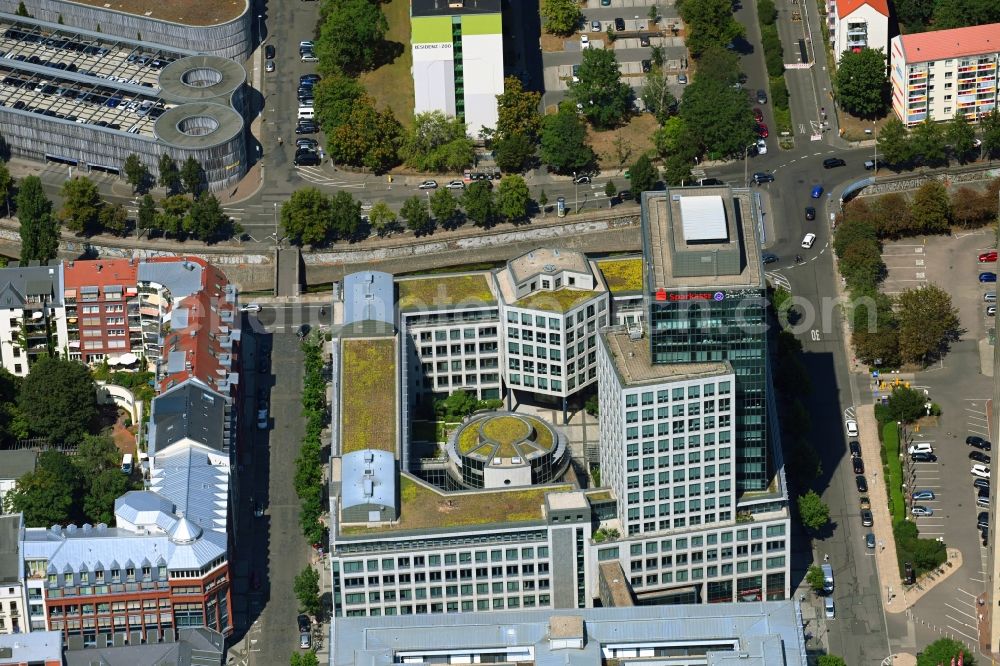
(896, 597)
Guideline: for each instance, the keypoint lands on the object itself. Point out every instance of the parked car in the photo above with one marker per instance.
(269, 66)
(807, 242)
(852, 426)
(761, 147)
(923, 456)
(988, 257)
(306, 158)
(584, 42)
(647, 65)
(991, 311)
(312, 144)
(262, 419)
(762, 130)
(682, 79)
(768, 257)
(855, 448)
(865, 502)
(580, 180)
(920, 510)
(983, 520)
(810, 213)
(428, 185)
(869, 540)
(861, 483)
(763, 177)
(306, 127)
(305, 640)
(305, 624)
(978, 442)
(595, 26)
(920, 447)
(308, 56)
(982, 471)
(981, 483)
(761, 96)
(758, 115)
(987, 277)
(251, 307)
(619, 25)
(979, 456)
(983, 501)
(833, 162)
(817, 192)
(456, 185)
(269, 52)
(923, 495)
(866, 518)
(644, 41)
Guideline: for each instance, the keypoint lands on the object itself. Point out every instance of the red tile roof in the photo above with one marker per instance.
(101, 272)
(845, 7)
(956, 43)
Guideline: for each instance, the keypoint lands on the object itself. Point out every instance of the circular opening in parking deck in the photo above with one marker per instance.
(201, 77)
(197, 126)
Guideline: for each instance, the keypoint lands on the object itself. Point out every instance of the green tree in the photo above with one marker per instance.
(22, 10)
(370, 138)
(170, 219)
(605, 99)
(96, 453)
(418, 220)
(346, 219)
(437, 142)
(962, 137)
(643, 175)
(304, 659)
(382, 219)
(813, 512)
(815, 578)
(830, 660)
(875, 331)
(514, 154)
(170, 175)
(543, 201)
(563, 145)
(146, 216)
(961, 13)
(513, 198)
(207, 221)
(719, 116)
(560, 17)
(708, 22)
(444, 208)
(136, 173)
(193, 176)
(914, 14)
(927, 142)
(677, 170)
(63, 415)
(457, 405)
(48, 495)
(610, 190)
(7, 186)
(307, 217)
(81, 205)
(861, 82)
(656, 95)
(39, 229)
(351, 36)
(101, 493)
(906, 404)
(931, 209)
(927, 323)
(719, 64)
(989, 125)
(593, 405)
(306, 589)
(894, 142)
(517, 111)
(675, 138)
(943, 650)
(334, 97)
(479, 203)
(113, 219)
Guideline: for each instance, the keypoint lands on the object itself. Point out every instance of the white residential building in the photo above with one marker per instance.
(32, 315)
(12, 601)
(858, 24)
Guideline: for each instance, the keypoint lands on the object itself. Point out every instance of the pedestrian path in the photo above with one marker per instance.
(896, 597)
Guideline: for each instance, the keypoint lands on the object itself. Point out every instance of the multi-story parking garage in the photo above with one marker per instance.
(81, 98)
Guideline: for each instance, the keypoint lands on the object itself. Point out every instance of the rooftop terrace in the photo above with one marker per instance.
(423, 507)
(368, 394)
(622, 274)
(439, 291)
(186, 12)
(505, 436)
(560, 300)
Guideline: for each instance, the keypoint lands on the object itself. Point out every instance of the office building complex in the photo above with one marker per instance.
(760, 634)
(458, 59)
(942, 73)
(858, 24)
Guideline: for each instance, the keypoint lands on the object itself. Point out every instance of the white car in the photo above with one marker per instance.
(808, 240)
(852, 425)
(428, 185)
(252, 307)
(456, 185)
(761, 147)
(262, 419)
(584, 42)
(921, 447)
(982, 471)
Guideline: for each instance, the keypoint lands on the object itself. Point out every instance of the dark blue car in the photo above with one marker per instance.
(817, 192)
(987, 277)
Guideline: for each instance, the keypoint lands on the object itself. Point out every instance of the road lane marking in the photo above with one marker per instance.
(959, 610)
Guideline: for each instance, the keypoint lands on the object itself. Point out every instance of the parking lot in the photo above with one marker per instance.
(632, 45)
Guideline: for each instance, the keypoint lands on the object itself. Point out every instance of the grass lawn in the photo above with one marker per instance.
(368, 395)
(894, 479)
(443, 291)
(392, 84)
(622, 274)
(619, 148)
(560, 300)
(423, 507)
(854, 127)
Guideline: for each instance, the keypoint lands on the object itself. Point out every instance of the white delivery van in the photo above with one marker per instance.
(127, 464)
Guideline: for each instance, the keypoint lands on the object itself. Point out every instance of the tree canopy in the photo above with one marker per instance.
(170, 175)
(560, 16)
(48, 495)
(927, 323)
(306, 218)
(480, 204)
(604, 98)
(81, 205)
(418, 220)
(370, 138)
(517, 111)
(564, 141)
(643, 175)
(813, 512)
(351, 36)
(513, 198)
(306, 589)
(62, 415)
(39, 230)
(861, 82)
(943, 650)
(720, 117)
(437, 142)
(893, 142)
(709, 22)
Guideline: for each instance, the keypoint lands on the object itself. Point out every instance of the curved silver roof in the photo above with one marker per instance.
(369, 479)
(201, 78)
(215, 124)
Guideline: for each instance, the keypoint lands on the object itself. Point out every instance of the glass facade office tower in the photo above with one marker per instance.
(707, 301)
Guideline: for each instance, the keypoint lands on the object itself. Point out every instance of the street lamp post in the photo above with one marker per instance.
(277, 242)
(576, 194)
(875, 163)
(138, 230)
(746, 166)
(260, 28)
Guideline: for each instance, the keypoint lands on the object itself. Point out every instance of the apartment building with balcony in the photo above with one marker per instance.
(858, 24)
(12, 599)
(942, 73)
(102, 309)
(32, 316)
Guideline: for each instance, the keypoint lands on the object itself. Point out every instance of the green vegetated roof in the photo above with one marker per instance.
(444, 290)
(506, 431)
(560, 300)
(622, 274)
(599, 496)
(423, 508)
(368, 395)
